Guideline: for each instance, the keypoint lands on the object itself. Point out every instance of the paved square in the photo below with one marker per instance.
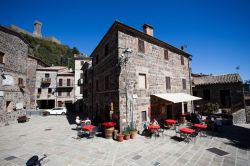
(54, 136)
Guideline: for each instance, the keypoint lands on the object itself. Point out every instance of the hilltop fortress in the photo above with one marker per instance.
(37, 32)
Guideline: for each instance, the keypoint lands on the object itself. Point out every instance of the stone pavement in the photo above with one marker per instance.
(54, 136)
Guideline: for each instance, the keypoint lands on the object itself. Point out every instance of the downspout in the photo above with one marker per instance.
(190, 84)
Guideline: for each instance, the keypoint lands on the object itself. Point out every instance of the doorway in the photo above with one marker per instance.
(225, 98)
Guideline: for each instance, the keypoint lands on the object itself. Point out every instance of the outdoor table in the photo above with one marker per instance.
(201, 127)
(154, 127)
(88, 127)
(170, 121)
(187, 130)
(108, 124)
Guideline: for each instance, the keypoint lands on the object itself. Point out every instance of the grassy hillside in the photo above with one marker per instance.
(51, 52)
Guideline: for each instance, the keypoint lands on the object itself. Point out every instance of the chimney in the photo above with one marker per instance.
(37, 29)
(148, 29)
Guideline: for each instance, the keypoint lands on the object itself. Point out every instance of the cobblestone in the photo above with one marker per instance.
(62, 148)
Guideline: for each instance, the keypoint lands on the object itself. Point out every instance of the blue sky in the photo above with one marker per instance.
(216, 32)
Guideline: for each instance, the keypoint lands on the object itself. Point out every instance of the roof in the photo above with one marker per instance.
(7, 30)
(38, 59)
(52, 68)
(220, 79)
(136, 33)
(177, 97)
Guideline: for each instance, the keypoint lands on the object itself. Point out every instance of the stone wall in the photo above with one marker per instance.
(40, 74)
(236, 94)
(107, 66)
(157, 68)
(31, 80)
(248, 114)
(15, 66)
(239, 117)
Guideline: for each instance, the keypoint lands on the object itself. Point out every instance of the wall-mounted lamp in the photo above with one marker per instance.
(3, 76)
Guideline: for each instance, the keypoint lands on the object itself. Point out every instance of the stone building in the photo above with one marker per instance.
(79, 61)
(54, 87)
(32, 64)
(65, 89)
(130, 70)
(14, 95)
(224, 90)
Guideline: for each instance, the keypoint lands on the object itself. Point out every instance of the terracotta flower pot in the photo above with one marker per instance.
(133, 134)
(120, 137)
(127, 137)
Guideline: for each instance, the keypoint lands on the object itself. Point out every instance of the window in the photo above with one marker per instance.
(39, 90)
(144, 116)
(106, 51)
(68, 93)
(82, 62)
(142, 81)
(141, 47)
(166, 54)
(97, 85)
(206, 94)
(182, 60)
(86, 76)
(184, 86)
(168, 86)
(107, 79)
(46, 75)
(97, 59)
(59, 104)
(195, 93)
(60, 82)
(68, 82)
(81, 75)
(49, 90)
(1, 57)
(59, 93)
(81, 89)
(20, 81)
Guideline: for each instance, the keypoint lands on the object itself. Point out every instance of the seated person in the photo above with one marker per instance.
(78, 121)
(154, 122)
(217, 124)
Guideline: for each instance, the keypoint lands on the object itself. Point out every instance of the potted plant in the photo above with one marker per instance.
(133, 133)
(22, 119)
(126, 135)
(120, 137)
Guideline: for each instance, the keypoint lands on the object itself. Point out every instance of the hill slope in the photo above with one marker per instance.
(51, 52)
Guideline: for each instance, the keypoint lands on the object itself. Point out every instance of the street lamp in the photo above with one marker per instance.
(123, 61)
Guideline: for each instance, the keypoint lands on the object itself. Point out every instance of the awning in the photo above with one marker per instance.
(177, 97)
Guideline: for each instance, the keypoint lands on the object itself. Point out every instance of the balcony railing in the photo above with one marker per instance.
(46, 80)
(65, 85)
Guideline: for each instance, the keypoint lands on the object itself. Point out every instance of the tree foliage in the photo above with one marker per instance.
(51, 52)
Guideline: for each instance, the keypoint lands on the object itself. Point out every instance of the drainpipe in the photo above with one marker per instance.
(190, 84)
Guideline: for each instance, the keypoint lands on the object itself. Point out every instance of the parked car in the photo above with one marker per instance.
(57, 110)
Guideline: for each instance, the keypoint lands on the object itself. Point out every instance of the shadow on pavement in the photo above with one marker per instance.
(237, 135)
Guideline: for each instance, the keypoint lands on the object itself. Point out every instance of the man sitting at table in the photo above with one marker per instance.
(154, 122)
